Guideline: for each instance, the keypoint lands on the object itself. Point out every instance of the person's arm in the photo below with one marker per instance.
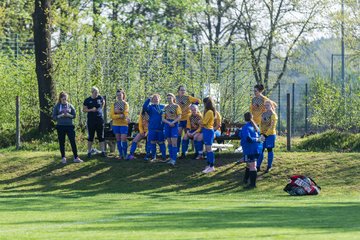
(113, 115)
(55, 114)
(146, 105)
(140, 124)
(178, 114)
(188, 124)
(218, 121)
(72, 113)
(194, 100)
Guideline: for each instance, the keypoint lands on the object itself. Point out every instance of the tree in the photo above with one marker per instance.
(271, 30)
(42, 39)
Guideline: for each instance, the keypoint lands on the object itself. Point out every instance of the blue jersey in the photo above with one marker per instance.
(155, 112)
(249, 137)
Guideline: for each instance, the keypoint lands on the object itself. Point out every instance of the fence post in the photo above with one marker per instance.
(293, 109)
(288, 123)
(233, 83)
(18, 143)
(16, 46)
(105, 116)
(306, 107)
(279, 112)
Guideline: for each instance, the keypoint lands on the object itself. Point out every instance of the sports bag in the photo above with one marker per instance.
(301, 185)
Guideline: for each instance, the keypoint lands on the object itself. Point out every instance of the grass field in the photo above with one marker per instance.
(113, 199)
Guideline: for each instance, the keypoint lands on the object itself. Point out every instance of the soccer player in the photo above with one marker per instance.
(207, 129)
(184, 101)
(192, 126)
(143, 132)
(93, 106)
(63, 114)
(251, 145)
(171, 117)
(119, 112)
(257, 103)
(268, 131)
(156, 125)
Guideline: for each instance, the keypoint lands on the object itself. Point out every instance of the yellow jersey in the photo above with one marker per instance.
(184, 102)
(268, 123)
(143, 123)
(193, 121)
(208, 120)
(123, 107)
(257, 108)
(217, 121)
(172, 111)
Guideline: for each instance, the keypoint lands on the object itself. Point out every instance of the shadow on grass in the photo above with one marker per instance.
(109, 175)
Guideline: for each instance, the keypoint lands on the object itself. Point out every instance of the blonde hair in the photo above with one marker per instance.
(196, 107)
(272, 103)
(173, 97)
(156, 94)
(93, 89)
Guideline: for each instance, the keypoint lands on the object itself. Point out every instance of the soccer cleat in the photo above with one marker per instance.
(130, 157)
(268, 169)
(182, 156)
(89, 155)
(78, 160)
(209, 170)
(199, 157)
(153, 160)
(165, 160)
(63, 160)
(171, 162)
(205, 170)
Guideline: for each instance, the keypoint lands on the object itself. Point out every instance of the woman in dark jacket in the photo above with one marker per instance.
(63, 114)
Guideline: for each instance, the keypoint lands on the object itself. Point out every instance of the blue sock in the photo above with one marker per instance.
(163, 150)
(260, 159)
(174, 151)
(153, 150)
(133, 148)
(119, 146)
(210, 158)
(124, 148)
(178, 142)
(270, 159)
(185, 145)
(147, 149)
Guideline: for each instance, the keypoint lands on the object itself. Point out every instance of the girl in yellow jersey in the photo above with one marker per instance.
(199, 137)
(143, 131)
(268, 133)
(184, 101)
(257, 103)
(119, 112)
(171, 118)
(207, 129)
(192, 126)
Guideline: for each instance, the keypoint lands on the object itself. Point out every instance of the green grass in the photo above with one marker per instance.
(112, 199)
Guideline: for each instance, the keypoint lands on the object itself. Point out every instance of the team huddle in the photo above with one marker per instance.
(177, 122)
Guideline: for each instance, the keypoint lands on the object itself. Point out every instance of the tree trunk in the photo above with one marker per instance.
(42, 39)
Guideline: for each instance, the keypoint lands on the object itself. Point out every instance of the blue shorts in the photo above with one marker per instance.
(208, 135)
(171, 132)
(156, 136)
(251, 158)
(269, 141)
(182, 124)
(120, 129)
(217, 133)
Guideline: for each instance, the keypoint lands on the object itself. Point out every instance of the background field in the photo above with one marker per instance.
(112, 199)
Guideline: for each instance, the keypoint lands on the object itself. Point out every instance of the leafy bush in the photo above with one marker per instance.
(331, 140)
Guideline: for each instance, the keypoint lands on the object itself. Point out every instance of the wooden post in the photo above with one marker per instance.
(288, 122)
(18, 123)
(306, 108)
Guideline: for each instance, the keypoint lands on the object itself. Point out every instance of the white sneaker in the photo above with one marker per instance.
(78, 160)
(63, 160)
(205, 170)
(171, 162)
(209, 170)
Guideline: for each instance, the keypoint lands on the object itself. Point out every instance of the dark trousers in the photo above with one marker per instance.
(70, 132)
